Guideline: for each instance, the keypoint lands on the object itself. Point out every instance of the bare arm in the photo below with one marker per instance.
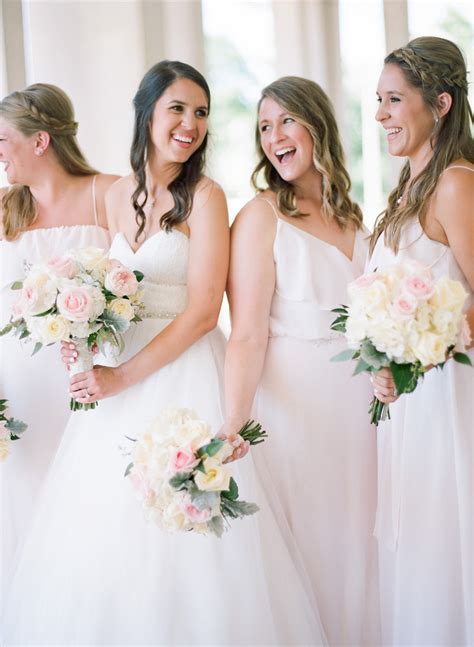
(250, 290)
(207, 272)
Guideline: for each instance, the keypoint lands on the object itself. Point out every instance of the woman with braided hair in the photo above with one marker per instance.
(55, 202)
(424, 517)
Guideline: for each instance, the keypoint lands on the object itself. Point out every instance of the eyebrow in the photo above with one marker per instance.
(183, 103)
(391, 92)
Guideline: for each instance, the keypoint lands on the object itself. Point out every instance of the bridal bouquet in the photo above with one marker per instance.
(179, 473)
(10, 429)
(403, 319)
(81, 296)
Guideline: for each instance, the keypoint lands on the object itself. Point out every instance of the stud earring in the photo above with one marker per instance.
(39, 151)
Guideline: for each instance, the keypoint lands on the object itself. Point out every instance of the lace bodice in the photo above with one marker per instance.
(163, 259)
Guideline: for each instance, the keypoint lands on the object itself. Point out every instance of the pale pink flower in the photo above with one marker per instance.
(419, 286)
(182, 459)
(405, 304)
(365, 280)
(4, 432)
(194, 514)
(121, 281)
(62, 266)
(75, 304)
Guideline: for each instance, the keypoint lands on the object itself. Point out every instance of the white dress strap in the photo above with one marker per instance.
(94, 201)
(466, 168)
(272, 206)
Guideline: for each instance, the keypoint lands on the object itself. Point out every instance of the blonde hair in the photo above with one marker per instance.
(309, 105)
(40, 107)
(431, 65)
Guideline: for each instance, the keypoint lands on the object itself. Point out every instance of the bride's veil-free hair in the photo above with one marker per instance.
(153, 85)
(40, 107)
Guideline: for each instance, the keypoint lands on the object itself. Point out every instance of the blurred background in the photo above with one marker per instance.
(98, 50)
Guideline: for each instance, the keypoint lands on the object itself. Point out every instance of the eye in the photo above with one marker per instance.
(379, 99)
(288, 120)
(202, 113)
(177, 108)
(264, 128)
(394, 100)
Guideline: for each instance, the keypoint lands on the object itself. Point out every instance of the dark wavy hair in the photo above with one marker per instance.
(155, 82)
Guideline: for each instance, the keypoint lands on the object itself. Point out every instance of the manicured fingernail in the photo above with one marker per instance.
(74, 354)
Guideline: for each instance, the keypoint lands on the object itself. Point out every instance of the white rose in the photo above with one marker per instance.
(49, 329)
(449, 294)
(91, 258)
(193, 433)
(38, 294)
(216, 478)
(122, 307)
(387, 338)
(430, 349)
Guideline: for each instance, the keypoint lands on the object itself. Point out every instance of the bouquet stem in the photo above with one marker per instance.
(84, 362)
(378, 411)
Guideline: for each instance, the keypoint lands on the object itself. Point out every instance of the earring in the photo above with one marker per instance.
(436, 120)
(39, 151)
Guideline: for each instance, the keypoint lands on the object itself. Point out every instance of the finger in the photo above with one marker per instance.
(79, 386)
(79, 377)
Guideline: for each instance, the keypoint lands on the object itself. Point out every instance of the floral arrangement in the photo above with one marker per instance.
(10, 429)
(179, 473)
(404, 319)
(82, 296)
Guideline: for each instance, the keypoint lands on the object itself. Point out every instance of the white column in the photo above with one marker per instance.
(396, 23)
(307, 41)
(12, 68)
(95, 52)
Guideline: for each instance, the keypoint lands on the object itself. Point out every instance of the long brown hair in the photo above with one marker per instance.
(153, 85)
(431, 65)
(309, 105)
(40, 107)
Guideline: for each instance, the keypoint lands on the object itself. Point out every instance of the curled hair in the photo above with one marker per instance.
(432, 66)
(40, 107)
(309, 105)
(155, 82)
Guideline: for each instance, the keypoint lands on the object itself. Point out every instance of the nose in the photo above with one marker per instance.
(276, 134)
(381, 113)
(189, 120)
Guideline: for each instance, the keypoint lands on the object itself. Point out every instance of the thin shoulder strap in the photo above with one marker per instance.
(272, 206)
(466, 168)
(94, 201)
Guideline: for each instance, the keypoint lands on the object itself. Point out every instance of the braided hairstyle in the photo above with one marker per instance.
(40, 107)
(310, 106)
(431, 65)
(153, 85)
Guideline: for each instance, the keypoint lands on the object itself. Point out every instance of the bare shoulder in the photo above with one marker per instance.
(258, 213)
(119, 186)
(457, 179)
(207, 191)
(104, 181)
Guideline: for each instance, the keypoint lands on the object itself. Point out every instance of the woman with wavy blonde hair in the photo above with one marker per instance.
(295, 247)
(55, 202)
(424, 517)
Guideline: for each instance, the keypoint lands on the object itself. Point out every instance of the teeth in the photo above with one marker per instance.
(182, 138)
(394, 131)
(285, 150)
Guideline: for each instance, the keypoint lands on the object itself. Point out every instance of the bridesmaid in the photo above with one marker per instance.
(295, 247)
(55, 202)
(424, 519)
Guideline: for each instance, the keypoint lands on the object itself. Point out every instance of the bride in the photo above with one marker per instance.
(92, 570)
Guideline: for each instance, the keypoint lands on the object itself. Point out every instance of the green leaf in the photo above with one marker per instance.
(344, 355)
(114, 321)
(129, 469)
(372, 356)
(216, 525)
(341, 310)
(203, 500)
(405, 376)
(38, 346)
(16, 285)
(178, 480)
(6, 329)
(17, 427)
(362, 367)
(462, 358)
(233, 492)
(237, 509)
(139, 275)
(24, 333)
(211, 448)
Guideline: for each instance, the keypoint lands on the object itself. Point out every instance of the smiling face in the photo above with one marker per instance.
(403, 113)
(286, 143)
(179, 122)
(16, 153)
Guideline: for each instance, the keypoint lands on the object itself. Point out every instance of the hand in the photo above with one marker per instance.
(102, 382)
(69, 352)
(384, 386)
(231, 435)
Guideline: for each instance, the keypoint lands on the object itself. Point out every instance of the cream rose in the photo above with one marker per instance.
(4, 449)
(193, 433)
(122, 307)
(37, 295)
(49, 329)
(216, 478)
(449, 294)
(430, 349)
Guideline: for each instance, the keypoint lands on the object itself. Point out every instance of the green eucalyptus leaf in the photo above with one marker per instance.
(344, 355)
(462, 358)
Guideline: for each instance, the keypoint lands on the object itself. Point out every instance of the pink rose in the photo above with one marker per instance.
(75, 304)
(419, 287)
(405, 304)
(182, 460)
(62, 266)
(30, 300)
(121, 281)
(194, 514)
(365, 280)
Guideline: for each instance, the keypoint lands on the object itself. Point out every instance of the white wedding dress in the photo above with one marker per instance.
(321, 454)
(36, 387)
(94, 572)
(425, 511)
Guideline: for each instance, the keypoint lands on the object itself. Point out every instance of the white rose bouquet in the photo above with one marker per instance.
(403, 319)
(179, 473)
(81, 296)
(10, 429)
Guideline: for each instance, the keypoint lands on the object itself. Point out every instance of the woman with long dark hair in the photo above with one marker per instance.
(424, 516)
(93, 571)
